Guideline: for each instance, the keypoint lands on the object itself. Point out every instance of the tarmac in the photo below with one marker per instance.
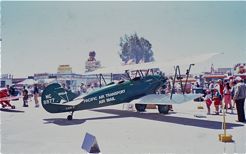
(186, 130)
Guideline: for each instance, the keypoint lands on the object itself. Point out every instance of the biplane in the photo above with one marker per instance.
(5, 98)
(140, 90)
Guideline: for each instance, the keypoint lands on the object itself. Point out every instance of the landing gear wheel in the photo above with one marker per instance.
(163, 109)
(69, 117)
(12, 107)
(140, 107)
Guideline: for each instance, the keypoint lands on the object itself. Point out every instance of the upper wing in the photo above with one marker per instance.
(162, 99)
(163, 65)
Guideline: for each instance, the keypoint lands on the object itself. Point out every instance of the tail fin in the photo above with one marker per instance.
(54, 97)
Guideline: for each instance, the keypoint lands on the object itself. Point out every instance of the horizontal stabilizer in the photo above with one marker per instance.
(58, 108)
(165, 99)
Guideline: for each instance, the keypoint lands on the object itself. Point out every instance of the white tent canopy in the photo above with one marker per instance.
(48, 81)
(27, 82)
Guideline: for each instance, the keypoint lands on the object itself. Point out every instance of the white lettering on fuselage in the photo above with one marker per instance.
(62, 93)
(69, 108)
(90, 99)
(115, 93)
(48, 96)
(105, 98)
(48, 101)
(110, 99)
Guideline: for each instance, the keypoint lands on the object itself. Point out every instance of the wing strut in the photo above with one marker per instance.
(100, 80)
(173, 84)
(179, 77)
(187, 75)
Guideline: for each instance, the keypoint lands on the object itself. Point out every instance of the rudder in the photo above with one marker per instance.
(54, 98)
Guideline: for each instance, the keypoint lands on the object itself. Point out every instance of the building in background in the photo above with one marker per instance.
(6, 79)
(92, 64)
(240, 70)
(64, 69)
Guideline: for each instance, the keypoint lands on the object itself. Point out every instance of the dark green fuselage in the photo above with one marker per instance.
(122, 92)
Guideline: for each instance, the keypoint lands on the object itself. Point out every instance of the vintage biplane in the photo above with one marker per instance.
(140, 89)
(5, 98)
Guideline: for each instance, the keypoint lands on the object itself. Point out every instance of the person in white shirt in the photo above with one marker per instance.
(239, 98)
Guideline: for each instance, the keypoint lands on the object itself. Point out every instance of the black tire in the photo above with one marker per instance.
(69, 117)
(12, 107)
(140, 107)
(163, 109)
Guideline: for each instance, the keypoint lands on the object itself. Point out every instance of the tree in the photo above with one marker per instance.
(133, 48)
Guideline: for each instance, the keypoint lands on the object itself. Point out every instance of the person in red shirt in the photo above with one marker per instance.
(216, 100)
(208, 100)
(227, 97)
(220, 87)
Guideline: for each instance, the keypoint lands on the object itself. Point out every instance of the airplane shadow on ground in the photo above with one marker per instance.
(149, 116)
(11, 110)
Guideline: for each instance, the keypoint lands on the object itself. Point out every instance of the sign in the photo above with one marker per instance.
(64, 69)
(90, 144)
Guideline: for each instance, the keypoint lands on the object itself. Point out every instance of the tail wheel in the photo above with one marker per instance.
(69, 117)
(163, 109)
(140, 107)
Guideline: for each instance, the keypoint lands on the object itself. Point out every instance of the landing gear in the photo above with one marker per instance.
(163, 109)
(140, 107)
(12, 107)
(3, 106)
(70, 117)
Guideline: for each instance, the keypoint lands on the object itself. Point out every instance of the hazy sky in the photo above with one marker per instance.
(38, 36)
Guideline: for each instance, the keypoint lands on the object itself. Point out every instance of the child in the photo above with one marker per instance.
(217, 100)
(227, 97)
(208, 100)
(25, 98)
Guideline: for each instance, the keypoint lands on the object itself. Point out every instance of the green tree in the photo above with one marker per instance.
(136, 49)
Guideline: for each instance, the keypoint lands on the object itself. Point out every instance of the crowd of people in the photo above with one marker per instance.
(227, 94)
(26, 92)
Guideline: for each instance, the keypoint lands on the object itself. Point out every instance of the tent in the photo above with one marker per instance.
(46, 81)
(27, 82)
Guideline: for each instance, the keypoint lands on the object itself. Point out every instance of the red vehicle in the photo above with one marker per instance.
(5, 98)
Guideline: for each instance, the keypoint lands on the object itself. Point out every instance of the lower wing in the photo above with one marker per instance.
(165, 99)
(10, 98)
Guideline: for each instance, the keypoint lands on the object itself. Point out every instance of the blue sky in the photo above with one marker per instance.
(38, 36)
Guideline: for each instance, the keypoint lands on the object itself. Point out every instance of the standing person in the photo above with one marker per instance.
(239, 98)
(89, 88)
(220, 87)
(36, 94)
(8, 89)
(208, 100)
(217, 101)
(82, 88)
(233, 85)
(25, 97)
(211, 85)
(29, 89)
(227, 97)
